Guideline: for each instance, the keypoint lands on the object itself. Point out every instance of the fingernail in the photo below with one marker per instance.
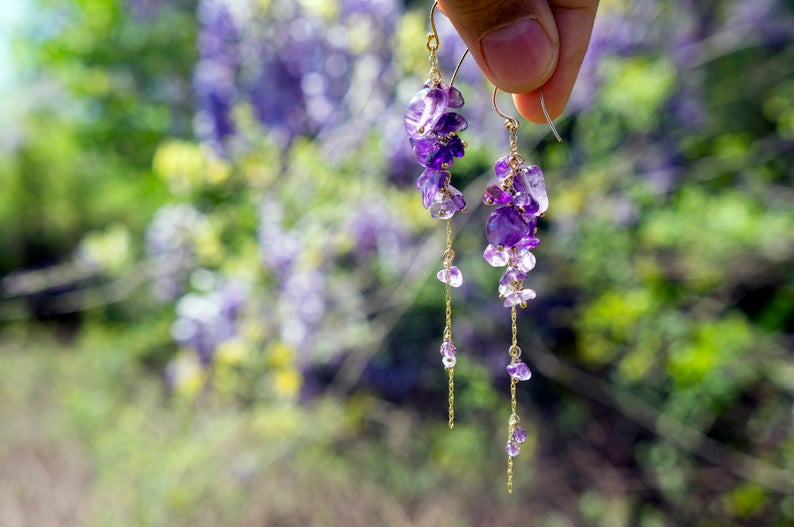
(519, 55)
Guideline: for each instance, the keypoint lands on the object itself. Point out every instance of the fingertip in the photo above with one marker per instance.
(529, 106)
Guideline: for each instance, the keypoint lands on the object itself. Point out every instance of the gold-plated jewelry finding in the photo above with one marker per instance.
(514, 121)
(457, 68)
(449, 256)
(432, 48)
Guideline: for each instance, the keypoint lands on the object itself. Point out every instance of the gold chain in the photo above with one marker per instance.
(515, 352)
(451, 398)
(449, 256)
(432, 47)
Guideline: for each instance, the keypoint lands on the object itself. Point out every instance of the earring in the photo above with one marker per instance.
(520, 196)
(432, 130)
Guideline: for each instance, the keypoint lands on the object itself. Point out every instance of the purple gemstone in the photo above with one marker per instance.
(530, 179)
(430, 183)
(448, 349)
(455, 147)
(439, 157)
(528, 242)
(502, 168)
(519, 371)
(506, 290)
(494, 195)
(444, 207)
(424, 111)
(519, 297)
(519, 435)
(495, 257)
(511, 275)
(455, 276)
(512, 448)
(506, 227)
(526, 204)
(526, 263)
(454, 96)
(457, 197)
(450, 122)
(422, 148)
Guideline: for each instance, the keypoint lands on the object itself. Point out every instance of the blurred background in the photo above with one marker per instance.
(218, 302)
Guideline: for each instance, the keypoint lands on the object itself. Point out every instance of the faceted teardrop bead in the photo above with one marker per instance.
(450, 122)
(455, 276)
(502, 168)
(448, 349)
(495, 257)
(530, 179)
(526, 204)
(424, 111)
(430, 183)
(512, 448)
(494, 195)
(455, 98)
(519, 435)
(519, 297)
(506, 227)
(519, 371)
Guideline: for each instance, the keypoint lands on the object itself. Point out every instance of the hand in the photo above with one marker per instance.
(523, 45)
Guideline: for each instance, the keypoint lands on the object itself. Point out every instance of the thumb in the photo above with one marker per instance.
(515, 42)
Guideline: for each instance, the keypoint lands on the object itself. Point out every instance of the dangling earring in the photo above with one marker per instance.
(520, 196)
(433, 133)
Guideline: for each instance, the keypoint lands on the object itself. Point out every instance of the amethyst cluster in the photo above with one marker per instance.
(520, 194)
(432, 130)
(433, 133)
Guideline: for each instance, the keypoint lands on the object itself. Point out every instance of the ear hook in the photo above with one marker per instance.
(433, 22)
(548, 118)
(457, 68)
(514, 121)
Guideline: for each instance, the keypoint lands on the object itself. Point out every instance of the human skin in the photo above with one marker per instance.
(526, 45)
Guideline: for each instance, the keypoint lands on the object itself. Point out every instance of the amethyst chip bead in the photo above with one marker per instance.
(519, 371)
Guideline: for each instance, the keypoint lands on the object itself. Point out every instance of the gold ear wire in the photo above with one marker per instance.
(457, 68)
(514, 121)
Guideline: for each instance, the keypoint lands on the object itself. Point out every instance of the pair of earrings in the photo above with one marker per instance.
(519, 195)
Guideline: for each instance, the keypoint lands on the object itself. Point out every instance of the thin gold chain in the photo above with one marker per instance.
(515, 352)
(449, 256)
